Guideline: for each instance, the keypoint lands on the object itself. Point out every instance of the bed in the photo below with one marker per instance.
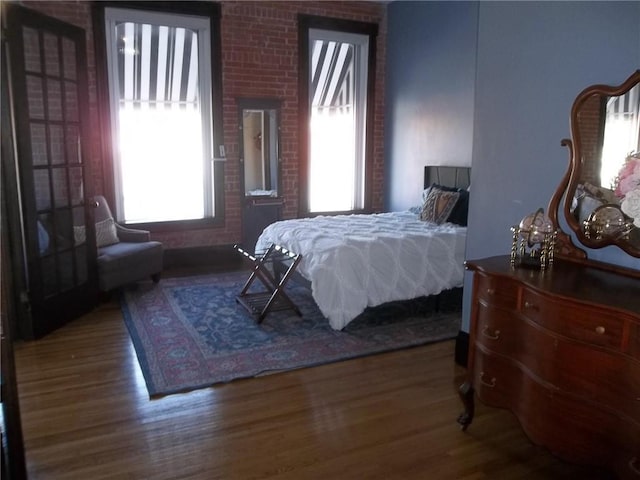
(357, 261)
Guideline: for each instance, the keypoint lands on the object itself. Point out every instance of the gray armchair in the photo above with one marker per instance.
(128, 256)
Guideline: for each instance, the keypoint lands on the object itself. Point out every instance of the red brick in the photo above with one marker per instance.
(260, 59)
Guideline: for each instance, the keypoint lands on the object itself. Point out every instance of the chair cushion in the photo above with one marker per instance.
(124, 262)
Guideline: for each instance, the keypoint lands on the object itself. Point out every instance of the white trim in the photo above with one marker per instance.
(203, 50)
(360, 43)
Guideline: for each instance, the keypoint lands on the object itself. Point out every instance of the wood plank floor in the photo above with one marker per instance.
(86, 414)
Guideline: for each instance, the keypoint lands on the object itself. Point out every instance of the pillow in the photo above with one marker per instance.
(418, 208)
(106, 233)
(43, 238)
(576, 199)
(444, 187)
(605, 194)
(586, 205)
(438, 206)
(460, 210)
(79, 235)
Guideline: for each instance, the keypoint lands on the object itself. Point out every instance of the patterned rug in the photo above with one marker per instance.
(190, 333)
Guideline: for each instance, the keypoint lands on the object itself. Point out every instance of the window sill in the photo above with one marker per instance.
(178, 225)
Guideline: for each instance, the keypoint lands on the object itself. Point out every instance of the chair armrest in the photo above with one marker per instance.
(132, 235)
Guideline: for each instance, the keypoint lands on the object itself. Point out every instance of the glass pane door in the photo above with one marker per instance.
(48, 68)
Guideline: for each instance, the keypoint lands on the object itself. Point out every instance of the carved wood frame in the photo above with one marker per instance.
(565, 246)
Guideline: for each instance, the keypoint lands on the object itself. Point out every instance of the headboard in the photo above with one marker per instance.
(459, 177)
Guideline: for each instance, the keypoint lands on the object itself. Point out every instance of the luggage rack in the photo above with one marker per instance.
(273, 268)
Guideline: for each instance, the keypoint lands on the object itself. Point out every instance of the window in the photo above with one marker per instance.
(162, 115)
(621, 133)
(336, 87)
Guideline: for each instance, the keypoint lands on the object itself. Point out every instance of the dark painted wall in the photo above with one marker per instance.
(431, 53)
(533, 58)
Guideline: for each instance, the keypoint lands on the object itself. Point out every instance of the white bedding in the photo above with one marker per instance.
(355, 261)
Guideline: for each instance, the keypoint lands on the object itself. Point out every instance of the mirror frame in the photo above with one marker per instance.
(569, 183)
(259, 104)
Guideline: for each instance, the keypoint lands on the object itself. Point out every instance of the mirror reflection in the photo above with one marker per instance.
(604, 193)
(621, 132)
(259, 148)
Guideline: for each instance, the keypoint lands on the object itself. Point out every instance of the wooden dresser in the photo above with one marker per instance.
(561, 349)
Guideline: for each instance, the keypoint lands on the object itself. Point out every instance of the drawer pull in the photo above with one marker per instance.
(490, 384)
(491, 291)
(493, 336)
(530, 306)
(633, 465)
(600, 330)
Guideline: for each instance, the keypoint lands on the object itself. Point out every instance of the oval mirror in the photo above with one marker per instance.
(604, 176)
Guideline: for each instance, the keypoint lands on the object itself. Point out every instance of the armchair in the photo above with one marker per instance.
(125, 255)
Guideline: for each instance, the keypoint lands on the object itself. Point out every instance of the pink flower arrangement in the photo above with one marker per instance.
(629, 176)
(628, 187)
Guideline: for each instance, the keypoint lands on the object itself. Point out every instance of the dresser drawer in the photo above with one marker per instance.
(506, 333)
(599, 376)
(497, 329)
(560, 363)
(580, 432)
(497, 291)
(586, 325)
(496, 380)
(634, 341)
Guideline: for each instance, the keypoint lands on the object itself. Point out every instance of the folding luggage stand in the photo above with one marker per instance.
(283, 263)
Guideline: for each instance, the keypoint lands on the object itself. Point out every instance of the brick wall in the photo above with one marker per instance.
(259, 59)
(591, 138)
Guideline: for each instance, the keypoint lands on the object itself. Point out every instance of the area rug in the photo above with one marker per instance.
(190, 333)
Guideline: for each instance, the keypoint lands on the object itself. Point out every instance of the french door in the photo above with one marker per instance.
(49, 112)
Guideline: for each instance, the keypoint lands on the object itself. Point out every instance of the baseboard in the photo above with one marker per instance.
(462, 348)
(216, 256)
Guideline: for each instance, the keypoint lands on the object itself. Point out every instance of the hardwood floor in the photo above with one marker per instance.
(86, 414)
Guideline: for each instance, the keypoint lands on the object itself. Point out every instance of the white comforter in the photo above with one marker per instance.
(355, 261)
